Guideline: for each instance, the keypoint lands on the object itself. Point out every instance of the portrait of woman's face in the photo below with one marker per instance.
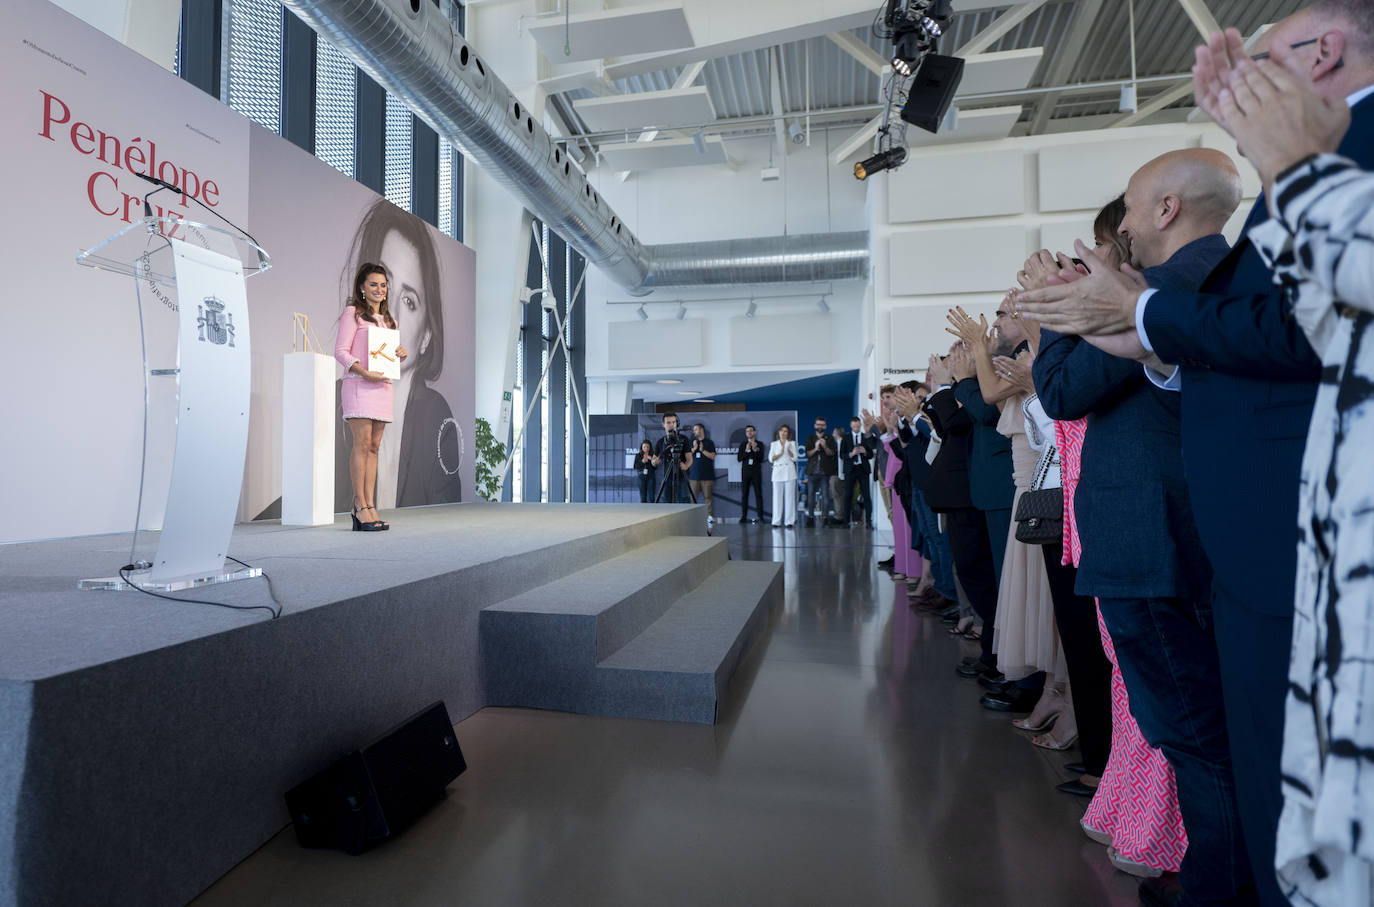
(404, 294)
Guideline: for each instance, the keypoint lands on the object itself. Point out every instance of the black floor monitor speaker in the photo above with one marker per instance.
(373, 793)
(932, 91)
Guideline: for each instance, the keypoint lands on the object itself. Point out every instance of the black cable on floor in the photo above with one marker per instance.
(275, 610)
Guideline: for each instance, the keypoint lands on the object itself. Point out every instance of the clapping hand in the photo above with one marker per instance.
(906, 402)
(973, 333)
(1099, 302)
(1270, 107)
(937, 372)
(960, 362)
(867, 418)
(1016, 372)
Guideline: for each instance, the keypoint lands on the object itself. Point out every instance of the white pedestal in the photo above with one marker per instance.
(307, 440)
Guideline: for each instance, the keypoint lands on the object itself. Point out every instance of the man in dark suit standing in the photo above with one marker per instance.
(857, 453)
(1248, 379)
(990, 482)
(750, 455)
(947, 491)
(1142, 557)
(821, 465)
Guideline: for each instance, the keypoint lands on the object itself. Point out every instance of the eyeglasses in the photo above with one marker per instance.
(1265, 54)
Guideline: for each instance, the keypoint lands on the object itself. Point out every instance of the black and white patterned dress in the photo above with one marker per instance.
(1321, 246)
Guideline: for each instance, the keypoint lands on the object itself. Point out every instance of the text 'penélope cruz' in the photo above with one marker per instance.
(136, 155)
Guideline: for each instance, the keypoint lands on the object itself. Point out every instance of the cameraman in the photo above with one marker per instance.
(702, 473)
(670, 449)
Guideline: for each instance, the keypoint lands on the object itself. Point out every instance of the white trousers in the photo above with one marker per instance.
(785, 502)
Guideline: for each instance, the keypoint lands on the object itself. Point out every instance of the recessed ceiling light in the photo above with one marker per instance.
(703, 401)
(668, 381)
(689, 393)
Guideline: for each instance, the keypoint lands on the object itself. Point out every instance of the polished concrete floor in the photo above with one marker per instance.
(851, 766)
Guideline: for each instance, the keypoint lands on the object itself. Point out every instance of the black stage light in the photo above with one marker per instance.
(890, 159)
(932, 91)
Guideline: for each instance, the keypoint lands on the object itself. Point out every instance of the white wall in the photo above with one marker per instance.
(689, 204)
(952, 226)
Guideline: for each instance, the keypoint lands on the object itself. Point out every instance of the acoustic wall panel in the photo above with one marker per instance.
(656, 344)
(1086, 175)
(917, 331)
(631, 112)
(781, 339)
(1059, 237)
(640, 29)
(949, 186)
(972, 126)
(962, 260)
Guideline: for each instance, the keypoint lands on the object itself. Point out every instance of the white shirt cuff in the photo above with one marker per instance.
(1140, 318)
(1170, 382)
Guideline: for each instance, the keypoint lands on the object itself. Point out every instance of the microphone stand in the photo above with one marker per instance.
(163, 184)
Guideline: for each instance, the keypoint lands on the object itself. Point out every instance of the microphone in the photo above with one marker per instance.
(148, 178)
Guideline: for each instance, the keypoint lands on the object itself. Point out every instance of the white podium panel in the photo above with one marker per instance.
(212, 415)
(307, 440)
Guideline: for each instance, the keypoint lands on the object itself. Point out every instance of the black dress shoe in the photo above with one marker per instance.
(997, 682)
(970, 660)
(1015, 700)
(1164, 891)
(887, 564)
(1078, 768)
(1076, 788)
(974, 670)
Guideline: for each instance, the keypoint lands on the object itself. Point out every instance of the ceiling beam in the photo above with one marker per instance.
(864, 136)
(775, 90)
(1201, 16)
(1084, 16)
(999, 28)
(866, 56)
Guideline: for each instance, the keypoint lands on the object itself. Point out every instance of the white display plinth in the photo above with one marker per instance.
(307, 440)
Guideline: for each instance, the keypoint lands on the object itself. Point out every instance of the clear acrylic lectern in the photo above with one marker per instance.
(193, 318)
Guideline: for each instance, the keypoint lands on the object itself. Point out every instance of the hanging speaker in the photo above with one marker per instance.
(932, 91)
(374, 793)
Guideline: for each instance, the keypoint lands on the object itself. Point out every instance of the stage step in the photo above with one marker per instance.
(678, 668)
(654, 633)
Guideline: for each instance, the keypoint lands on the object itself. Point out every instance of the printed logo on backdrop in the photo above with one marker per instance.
(214, 326)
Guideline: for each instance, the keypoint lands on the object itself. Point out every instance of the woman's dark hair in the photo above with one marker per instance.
(358, 301)
(648, 442)
(1107, 225)
(379, 220)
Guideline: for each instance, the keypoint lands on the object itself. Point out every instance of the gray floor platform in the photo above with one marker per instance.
(145, 744)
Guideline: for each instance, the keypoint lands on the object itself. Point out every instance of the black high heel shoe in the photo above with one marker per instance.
(360, 526)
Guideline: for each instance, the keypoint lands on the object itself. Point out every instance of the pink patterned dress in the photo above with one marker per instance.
(904, 560)
(1137, 801)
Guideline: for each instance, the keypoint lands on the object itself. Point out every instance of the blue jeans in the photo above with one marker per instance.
(1167, 652)
(934, 546)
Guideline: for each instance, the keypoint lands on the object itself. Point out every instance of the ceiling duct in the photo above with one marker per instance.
(809, 257)
(411, 49)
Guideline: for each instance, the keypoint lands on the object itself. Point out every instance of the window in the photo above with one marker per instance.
(252, 54)
(396, 177)
(449, 214)
(335, 106)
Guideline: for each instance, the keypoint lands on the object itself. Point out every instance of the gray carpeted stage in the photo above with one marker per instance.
(145, 744)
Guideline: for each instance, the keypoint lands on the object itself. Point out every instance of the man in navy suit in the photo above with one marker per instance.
(1142, 557)
(1248, 379)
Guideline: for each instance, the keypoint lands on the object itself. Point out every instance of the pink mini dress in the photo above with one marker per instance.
(361, 398)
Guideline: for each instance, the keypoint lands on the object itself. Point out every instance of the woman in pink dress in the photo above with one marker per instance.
(1135, 810)
(367, 395)
(906, 564)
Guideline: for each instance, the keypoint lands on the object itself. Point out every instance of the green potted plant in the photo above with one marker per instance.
(491, 458)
